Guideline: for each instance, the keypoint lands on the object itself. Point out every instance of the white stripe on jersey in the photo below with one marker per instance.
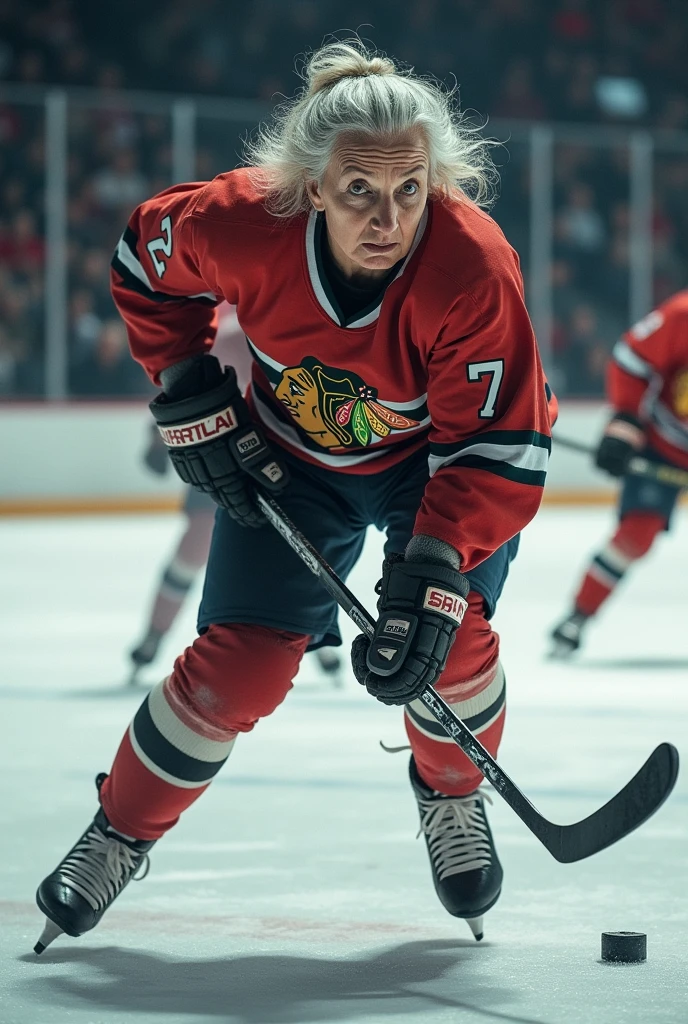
(669, 426)
(404, 407)
(290, 436)
(522, 456)
(628, 360)
(134, 266)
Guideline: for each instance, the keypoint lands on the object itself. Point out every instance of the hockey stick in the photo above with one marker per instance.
(638, 465)
(633, 805)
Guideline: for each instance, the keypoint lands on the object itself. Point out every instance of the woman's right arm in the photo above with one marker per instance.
(164, 283)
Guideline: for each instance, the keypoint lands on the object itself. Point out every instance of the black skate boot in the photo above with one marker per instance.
(77, 893)
(331, 664)
(465, 867)
(144, 653)
(567, 635)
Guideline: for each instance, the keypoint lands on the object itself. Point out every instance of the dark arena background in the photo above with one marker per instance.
(294, 892)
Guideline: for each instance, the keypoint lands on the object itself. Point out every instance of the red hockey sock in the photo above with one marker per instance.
(632, 540)
(474, 687)
(185, 729)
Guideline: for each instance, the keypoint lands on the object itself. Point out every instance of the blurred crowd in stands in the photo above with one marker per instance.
(621, 62)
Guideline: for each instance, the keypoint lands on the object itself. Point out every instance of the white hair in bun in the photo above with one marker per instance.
(356, 91)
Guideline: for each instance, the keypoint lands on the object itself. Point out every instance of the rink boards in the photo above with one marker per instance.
(86, 458)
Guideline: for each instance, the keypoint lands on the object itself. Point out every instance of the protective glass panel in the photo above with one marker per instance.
(219, 145)
(22, 250)
(670, 224)
(590, 267)
(116, 159)
(512, 209)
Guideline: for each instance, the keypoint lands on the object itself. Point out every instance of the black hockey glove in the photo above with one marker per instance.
(213, 442)
(420, 608)
(623, 438)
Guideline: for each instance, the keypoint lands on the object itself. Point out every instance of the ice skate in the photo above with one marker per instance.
(331, 664)
(567, 635)
(144, 653)
(77, 893)
(465, 867)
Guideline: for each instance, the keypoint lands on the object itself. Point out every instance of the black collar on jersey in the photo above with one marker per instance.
(322, 286)
(351, 300)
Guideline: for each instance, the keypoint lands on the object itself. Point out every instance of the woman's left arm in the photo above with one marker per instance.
(490, 433)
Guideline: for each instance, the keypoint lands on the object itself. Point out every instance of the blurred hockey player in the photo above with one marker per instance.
(191, 552)
(647, 386)
(396, 382)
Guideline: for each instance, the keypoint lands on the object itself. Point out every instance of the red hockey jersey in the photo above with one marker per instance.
(648, 377)
(444, 358)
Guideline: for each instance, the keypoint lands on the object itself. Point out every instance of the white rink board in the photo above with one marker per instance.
(294, 891)
(93, 451)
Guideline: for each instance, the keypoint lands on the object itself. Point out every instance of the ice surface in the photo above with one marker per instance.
(294, 892)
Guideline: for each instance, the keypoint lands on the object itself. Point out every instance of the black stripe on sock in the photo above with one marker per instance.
(166, 756)
(181, 585)
(609, 569)
(534, 477)
(473, 723)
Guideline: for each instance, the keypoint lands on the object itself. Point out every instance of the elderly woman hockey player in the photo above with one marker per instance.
(396, 382)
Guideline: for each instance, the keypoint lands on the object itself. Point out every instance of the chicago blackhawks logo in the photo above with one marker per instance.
(680, 390)
(336, 408)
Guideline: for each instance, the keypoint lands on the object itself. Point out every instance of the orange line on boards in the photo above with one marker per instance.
(579, 497)
(143, 505)
(87, 506)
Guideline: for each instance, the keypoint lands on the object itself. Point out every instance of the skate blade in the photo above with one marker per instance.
(561, 651)
(476, 926)
(48, 935)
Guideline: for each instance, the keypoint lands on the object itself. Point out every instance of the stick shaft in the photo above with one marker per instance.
(631, 807)
(453, 726)
(638, 465)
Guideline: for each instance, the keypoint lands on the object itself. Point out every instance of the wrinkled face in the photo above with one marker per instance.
(373, 194)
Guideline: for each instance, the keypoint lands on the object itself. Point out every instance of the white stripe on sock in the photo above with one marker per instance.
(157, 770)
(180, 735)
(465, 708)
(615, 559)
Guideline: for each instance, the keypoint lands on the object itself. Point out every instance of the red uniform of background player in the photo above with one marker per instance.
(647, 385)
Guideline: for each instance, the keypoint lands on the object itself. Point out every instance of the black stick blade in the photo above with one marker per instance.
(567, 843)
(634, 804)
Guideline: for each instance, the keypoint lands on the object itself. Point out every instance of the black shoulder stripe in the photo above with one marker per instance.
(132, 284)
(272, 373)
(131, 239)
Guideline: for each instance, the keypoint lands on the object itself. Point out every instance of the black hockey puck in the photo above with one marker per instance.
(624, 947)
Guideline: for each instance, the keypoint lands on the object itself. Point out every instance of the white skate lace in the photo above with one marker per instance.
(100, 866)
(458, 835)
